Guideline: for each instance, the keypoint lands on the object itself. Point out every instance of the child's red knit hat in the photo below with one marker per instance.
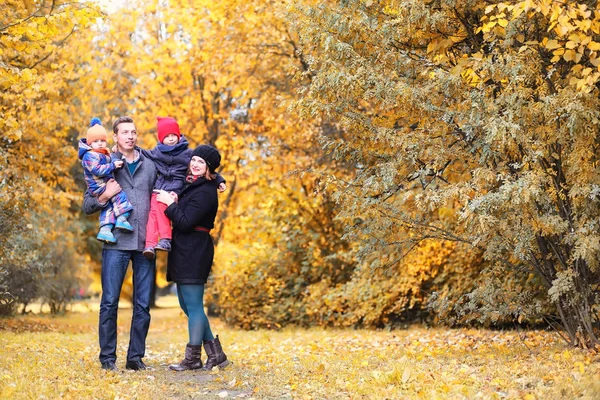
(166, 126)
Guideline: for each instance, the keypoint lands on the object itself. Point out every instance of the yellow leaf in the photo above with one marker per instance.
(552, 44)
(518, 9)
(576, 68)
(433, 46)
(499, 31)
(574, 37)
(593, 46)
(569, 55)
(488, 27)
(562, 30)
(570, 45)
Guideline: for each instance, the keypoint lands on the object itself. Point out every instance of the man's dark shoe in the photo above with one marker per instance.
(109, 366)
(135, 365)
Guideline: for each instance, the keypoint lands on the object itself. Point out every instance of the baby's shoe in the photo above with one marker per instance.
(106, 235)
(149, 253)
(122, 223)
(163, 245)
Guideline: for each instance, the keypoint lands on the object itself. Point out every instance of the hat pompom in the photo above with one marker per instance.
(96, 131)
(95, 121)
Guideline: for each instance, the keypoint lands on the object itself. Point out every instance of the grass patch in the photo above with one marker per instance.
(57, 357)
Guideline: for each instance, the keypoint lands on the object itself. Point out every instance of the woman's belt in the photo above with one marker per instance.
(201, 229)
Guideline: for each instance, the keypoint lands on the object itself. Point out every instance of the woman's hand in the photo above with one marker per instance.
(222, 187)
(165, 198)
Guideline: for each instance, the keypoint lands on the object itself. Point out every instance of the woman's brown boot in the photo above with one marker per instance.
(192, 359)
(216, 357)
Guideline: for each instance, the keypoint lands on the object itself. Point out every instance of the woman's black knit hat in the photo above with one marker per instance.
(208, 154)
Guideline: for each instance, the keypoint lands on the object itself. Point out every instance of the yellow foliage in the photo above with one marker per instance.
(380, 297)
(570, 24)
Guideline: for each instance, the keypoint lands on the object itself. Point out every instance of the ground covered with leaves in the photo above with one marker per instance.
(57, 357)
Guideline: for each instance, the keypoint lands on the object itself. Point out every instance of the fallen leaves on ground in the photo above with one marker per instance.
(57, 357)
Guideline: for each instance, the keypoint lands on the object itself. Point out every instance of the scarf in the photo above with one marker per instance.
(191, 178)
(102, 151)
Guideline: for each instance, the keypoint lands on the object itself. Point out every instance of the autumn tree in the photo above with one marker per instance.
(222, 70)
(36, 154)
(227, 72)
(487, 111)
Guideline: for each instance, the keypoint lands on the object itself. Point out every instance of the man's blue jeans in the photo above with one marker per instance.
(114, 267)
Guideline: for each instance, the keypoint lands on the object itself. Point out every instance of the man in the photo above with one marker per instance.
(136, 178)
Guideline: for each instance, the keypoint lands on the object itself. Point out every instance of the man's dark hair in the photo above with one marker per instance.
(121, 120)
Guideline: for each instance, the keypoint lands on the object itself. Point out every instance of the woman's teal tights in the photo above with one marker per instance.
(191, 300)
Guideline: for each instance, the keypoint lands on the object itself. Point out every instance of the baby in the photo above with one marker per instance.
(98, 169)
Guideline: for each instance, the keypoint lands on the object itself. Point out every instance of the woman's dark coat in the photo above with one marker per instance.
(192, 251)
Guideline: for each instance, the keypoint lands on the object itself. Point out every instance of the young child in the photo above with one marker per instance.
(172, 158)
(98, 169)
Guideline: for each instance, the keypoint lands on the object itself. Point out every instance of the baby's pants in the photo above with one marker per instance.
(118, 204)
(159, 225)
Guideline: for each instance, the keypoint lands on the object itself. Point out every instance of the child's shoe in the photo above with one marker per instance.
(122, 223)
(106, 235)
(149, 253)
(163, 245)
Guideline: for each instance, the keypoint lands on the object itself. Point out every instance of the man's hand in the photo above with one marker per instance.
(112, 188)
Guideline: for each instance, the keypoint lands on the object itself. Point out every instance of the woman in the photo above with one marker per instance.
(190, 260)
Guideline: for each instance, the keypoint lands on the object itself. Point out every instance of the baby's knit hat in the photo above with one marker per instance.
(165, 126)
(208, 154)
(95, 132)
